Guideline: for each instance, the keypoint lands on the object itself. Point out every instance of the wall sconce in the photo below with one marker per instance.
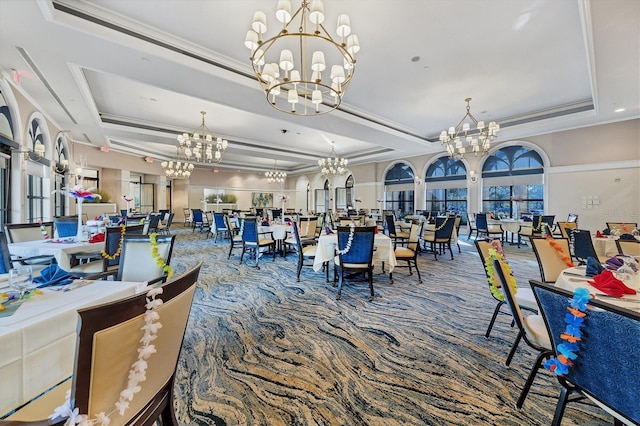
(473, 177)
(37, 153)
(61, 166)
(417, 180)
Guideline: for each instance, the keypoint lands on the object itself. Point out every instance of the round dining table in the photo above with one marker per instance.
(572, 278)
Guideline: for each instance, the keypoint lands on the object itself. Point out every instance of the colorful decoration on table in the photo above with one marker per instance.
(568, 351)
(137, 373)
(79, 193)
(496, 253)
(44, 231)
(11, 300)
(566, 258)
(622, 263)
(159, 260)
(607, 283)
(116, 254)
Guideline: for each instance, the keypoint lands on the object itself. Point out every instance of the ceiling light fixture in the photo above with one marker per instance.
(333, 165)
(459, 141)
(275, 175)
(201, 144)
(290, 65)
(178, 169)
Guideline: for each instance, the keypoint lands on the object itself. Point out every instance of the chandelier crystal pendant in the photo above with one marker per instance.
(460, 141)
(275, 175)
(201, 145)
(303, 70)
(333, 165)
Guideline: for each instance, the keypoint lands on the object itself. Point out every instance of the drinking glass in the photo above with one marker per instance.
(21, 279)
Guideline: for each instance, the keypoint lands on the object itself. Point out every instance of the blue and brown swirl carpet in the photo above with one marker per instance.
(263, 349)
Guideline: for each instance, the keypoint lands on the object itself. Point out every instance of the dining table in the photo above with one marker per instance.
(62, 249)
(574, 277)
(328, 243)
(605, 246)
(512, 227)
(38, 341)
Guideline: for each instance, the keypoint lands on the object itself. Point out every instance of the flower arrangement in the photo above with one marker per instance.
(8, 298)
(156, 255)
(283, 198)
(79, 193)
(137, 373)
(568, 351)
(496, 253)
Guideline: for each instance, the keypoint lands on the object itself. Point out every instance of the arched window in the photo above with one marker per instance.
(513, 182)
(6, 141)
(446, 186)
(399, 189)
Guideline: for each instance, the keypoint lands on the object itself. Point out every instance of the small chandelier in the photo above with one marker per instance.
(275, 175)
(290, 65)
(201, 144)
(178, 169)
(333, 165)
(459, 142)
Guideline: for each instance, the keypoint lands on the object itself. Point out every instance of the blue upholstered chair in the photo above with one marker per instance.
(221, 227)
(358, 257)
(440, 239)
(483, 227)
(252, 242)
(198, 220)
(583, 246)
(607, 367)
(540, 226)
(66, 226)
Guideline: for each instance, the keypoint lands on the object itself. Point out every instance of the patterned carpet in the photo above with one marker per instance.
(262, 349)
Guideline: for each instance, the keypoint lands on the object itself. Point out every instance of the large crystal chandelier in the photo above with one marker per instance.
(178, 169)
(459, 141)
(201, 145)
(275, 175)
(291, 66)
(333, 165)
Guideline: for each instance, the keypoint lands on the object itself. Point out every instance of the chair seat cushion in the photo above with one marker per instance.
(537, 330)
(237, 238)
(404, 252)
(43, 406)
(265, 241)
(309, 251)
(363, 266)
(526, 299)
(94, 267)
(402, 234)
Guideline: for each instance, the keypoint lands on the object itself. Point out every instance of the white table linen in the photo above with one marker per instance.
(279, 231)
(570, 282)
(61, 251)
(327, 245)
(605, 246)
(38, 342)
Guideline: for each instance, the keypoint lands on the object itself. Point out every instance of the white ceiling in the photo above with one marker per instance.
(133, 74)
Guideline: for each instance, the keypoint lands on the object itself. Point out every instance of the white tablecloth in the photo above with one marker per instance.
(569, 282)
(279, 231)
(61, 251)
(38, 342)
(327, 250)
(605, 246)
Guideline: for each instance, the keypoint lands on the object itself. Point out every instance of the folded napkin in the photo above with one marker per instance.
(328, 230)
(593, 267)
(264, 223)
(598, 234)
(606, 232)
(627, 237)
(52, 275)
(608, 284)
(98, 238)
(613, 263)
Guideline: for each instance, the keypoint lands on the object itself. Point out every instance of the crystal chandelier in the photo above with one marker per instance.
(201, 144)
(178, 169)
(333, 165)
(459, 141)
(275, 175)
(290, 66)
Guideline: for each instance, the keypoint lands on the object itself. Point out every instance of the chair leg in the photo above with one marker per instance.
(300, 261)
(562, 403)
(450, 250)
(531, 378)
(230, 249)
(244, 249)
(340, 278)
(371, 284)
(513, 349)
(496, 311)
(417, 270)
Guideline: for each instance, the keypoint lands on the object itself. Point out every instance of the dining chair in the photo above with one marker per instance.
(198, 220)
(540, 226)
(550, 261)
(391, 227)
(628, 247)
(606, 367)
(440, 239)
(524, 296)
(303, 251)
(564, 227)
(583, 246)
(154, 222)
(456, 226)
(8, 260)
(187, 216)
(252, 243)
(22, 232)
(66, 226)
(408, 250)
(166, 227)
(220, 227)
(531, 329)
(235, 242)
(622, 227)
(355, 254)
(107, 362)
(112, 249)
(472, 227)
(483, 227)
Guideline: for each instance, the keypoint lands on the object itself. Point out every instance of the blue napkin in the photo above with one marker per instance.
(627, 237)
(593, 267)
(606, 231)
(53, 275)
